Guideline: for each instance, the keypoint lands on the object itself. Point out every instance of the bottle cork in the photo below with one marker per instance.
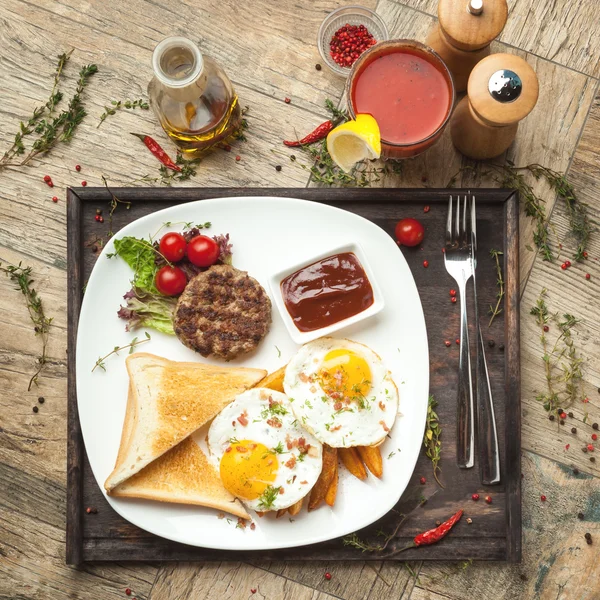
(464, 32)
(502, 90)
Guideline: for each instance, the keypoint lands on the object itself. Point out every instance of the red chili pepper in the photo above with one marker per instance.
(157, 151)
(318, 134)
(435, 535)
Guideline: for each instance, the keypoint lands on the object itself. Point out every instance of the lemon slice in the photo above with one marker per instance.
(354, 141)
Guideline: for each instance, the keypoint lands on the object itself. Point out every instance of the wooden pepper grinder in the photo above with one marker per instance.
(463, 35)
(502, 90)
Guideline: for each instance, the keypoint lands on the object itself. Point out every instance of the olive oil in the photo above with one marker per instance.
(192, 97)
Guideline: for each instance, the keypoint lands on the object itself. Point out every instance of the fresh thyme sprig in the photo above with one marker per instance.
(354, 541)
(114, 203)
(563, 356)
(431, 438)
(134, 342)
(28, 127)
(496, 310)
(116, 105)
(511, 176)
(186, 225)
(41, 323)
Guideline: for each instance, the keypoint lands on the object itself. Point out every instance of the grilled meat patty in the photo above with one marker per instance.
(222, 312)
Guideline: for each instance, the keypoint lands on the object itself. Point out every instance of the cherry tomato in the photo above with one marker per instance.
(170, 281)
(409, 232)
(203, 251)
(172, 246)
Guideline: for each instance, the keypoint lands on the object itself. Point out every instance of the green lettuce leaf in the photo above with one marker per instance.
(140, 256)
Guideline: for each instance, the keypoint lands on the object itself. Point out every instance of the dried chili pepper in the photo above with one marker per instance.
(157, 151)
(318, 134)
(435, 535)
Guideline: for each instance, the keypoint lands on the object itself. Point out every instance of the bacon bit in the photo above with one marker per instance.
(253, 525)
(304, 482)
(294, 478)
(281, 490)
(221, 515)
(385, 427)
(269, 462)
(336, 428)
(228, 449)
(260, 514)
(312, 451)
(381, 405)
(303, 377)
(243, 420)
(241, 448)
(274, 422)
(291, 463)
(337, 406)
(301, 442)
(233, 423)
(289, 442)
(241, 523)
(252, 447)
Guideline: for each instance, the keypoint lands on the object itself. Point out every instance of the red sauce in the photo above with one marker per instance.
(408, 96)
(327, 291)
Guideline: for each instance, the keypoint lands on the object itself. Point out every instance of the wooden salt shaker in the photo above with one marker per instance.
(502, 90)
(463, 35)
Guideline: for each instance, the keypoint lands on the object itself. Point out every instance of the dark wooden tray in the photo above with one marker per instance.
(495, 531)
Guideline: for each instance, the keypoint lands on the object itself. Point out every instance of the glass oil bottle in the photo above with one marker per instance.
(192, 97)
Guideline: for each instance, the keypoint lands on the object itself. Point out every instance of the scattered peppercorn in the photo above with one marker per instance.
(457, 341)
(78, 167)
(551, 417)
(35, 409)
(453, 299)
(584, 449)
(595, 426)
(318, 67)
(128, 591)
(592, 459)
(88, 510)
(278, 167)
(287, 100)
(580, 516)
(425, 263)
(585, 254)
(475, 497)
(422, 481)
(94, 249)
(563, 415)
(238, 158)
(568, 263)
(546, 328)
(292, 157)
(54, 199)
(423, 178)
(491, 343)
(253, 590)
(41, 399)
(348, 43)
(501, 347)
(426, 209)
(469, 520)
(84, 183)
(523, 577)
(543, 498)
(328, 576)
(573, 429)
(47, 178)
(98, 211)
(101, 219)
(567, 446)
(590, 448)
(575, 471)
(447, 342)
(571, 415)
(562, 422)
(453, 292)
(563, 266)
(488, 499)
(594, 436)
(588, 276)
(588, 536)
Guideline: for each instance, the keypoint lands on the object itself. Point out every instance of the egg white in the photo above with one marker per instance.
(315, 410)
(296, 481)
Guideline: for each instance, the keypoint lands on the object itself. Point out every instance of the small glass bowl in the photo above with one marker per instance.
(351, 15)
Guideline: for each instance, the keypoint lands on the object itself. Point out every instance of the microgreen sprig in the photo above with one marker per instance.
(431, 438)
(497, 309)
(116, 105)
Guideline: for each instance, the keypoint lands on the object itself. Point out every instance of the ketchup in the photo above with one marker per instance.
(327, 291)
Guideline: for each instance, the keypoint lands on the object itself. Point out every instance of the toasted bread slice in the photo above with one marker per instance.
(168, 401)
(182, 475)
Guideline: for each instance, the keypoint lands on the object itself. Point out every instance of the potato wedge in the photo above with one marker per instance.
(281, 512)
(332, 490)
(371, 456)
(352, 461)
(317, 494)
(273, 381)
(294, 509)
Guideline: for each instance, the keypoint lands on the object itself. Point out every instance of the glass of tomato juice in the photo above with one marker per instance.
(409, 90)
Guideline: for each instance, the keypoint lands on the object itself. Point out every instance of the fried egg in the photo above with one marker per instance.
(341, 392)
(263, 455)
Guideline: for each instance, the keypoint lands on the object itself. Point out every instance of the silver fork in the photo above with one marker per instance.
(458, 258)
(489, 455)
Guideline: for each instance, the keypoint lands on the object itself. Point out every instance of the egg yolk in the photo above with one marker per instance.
(247, 468)
(346, 372)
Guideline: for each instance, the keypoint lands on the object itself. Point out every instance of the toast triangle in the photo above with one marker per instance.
(167, 401)
(182, 475)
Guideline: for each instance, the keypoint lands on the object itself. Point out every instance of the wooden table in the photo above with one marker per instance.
(269, 50)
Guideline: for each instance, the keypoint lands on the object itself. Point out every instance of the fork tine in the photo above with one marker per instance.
(457, 221)
(466, 222)
(449, 223)
(473, 224)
